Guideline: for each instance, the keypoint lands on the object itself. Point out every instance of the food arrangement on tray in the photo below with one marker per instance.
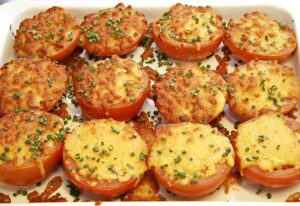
(76, 98)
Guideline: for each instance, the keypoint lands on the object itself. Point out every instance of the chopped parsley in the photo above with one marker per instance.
(93, 36)
(196, 19)
(115, 130)
(195, 91)
(177, 159)
(16, 95)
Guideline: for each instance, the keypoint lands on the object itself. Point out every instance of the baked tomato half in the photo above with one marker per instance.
(31, 146)
(190, 93)
(114, 88)
(105, 157)
(267, 150)
(256, 36)
(31, 83)
(188, 32)
(190, 159)
(113, 31)
(53, 34)
(259, 87)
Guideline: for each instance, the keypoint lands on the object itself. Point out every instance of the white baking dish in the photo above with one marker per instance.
(11, 14)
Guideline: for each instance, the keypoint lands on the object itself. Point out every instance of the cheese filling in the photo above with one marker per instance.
(111, 81)
(257, 33)
(268, 143)
(107, 150)
(188, 23)
(186, 152)
(29, 137)
(264, 85)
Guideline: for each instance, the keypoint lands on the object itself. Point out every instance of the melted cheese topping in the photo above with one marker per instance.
(190, 24)
(190, 93)
(259, 86)
(268, 143)
(112, 31)
(110, 82)
(107, 150)
(46, 34)
(31, 83)
(256, 33)
(188, 151)
(28, 136)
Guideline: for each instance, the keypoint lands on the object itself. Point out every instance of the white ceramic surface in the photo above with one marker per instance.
(11, 14)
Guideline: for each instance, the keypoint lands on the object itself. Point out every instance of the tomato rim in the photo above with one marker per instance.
(31, 168)
(112, 188)
(203, 187)
(248, 116)
(119, 112)
(109, 53)
(246, 56)
(62, 55)
(275, 179)
(186, 51)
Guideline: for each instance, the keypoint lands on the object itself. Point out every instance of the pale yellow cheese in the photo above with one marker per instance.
(107, 150)
(188, 151)
(268, 143)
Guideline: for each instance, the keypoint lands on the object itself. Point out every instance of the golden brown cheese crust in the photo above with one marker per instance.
(295, 197)
(109, 83)
(146, 190)
(26, 136)
(256, 33)
(106, 150)
(190, 93)
(31, 83)
(145, 128)
(186, 26)
(262, 86)
(116, 30)
(53, 33)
